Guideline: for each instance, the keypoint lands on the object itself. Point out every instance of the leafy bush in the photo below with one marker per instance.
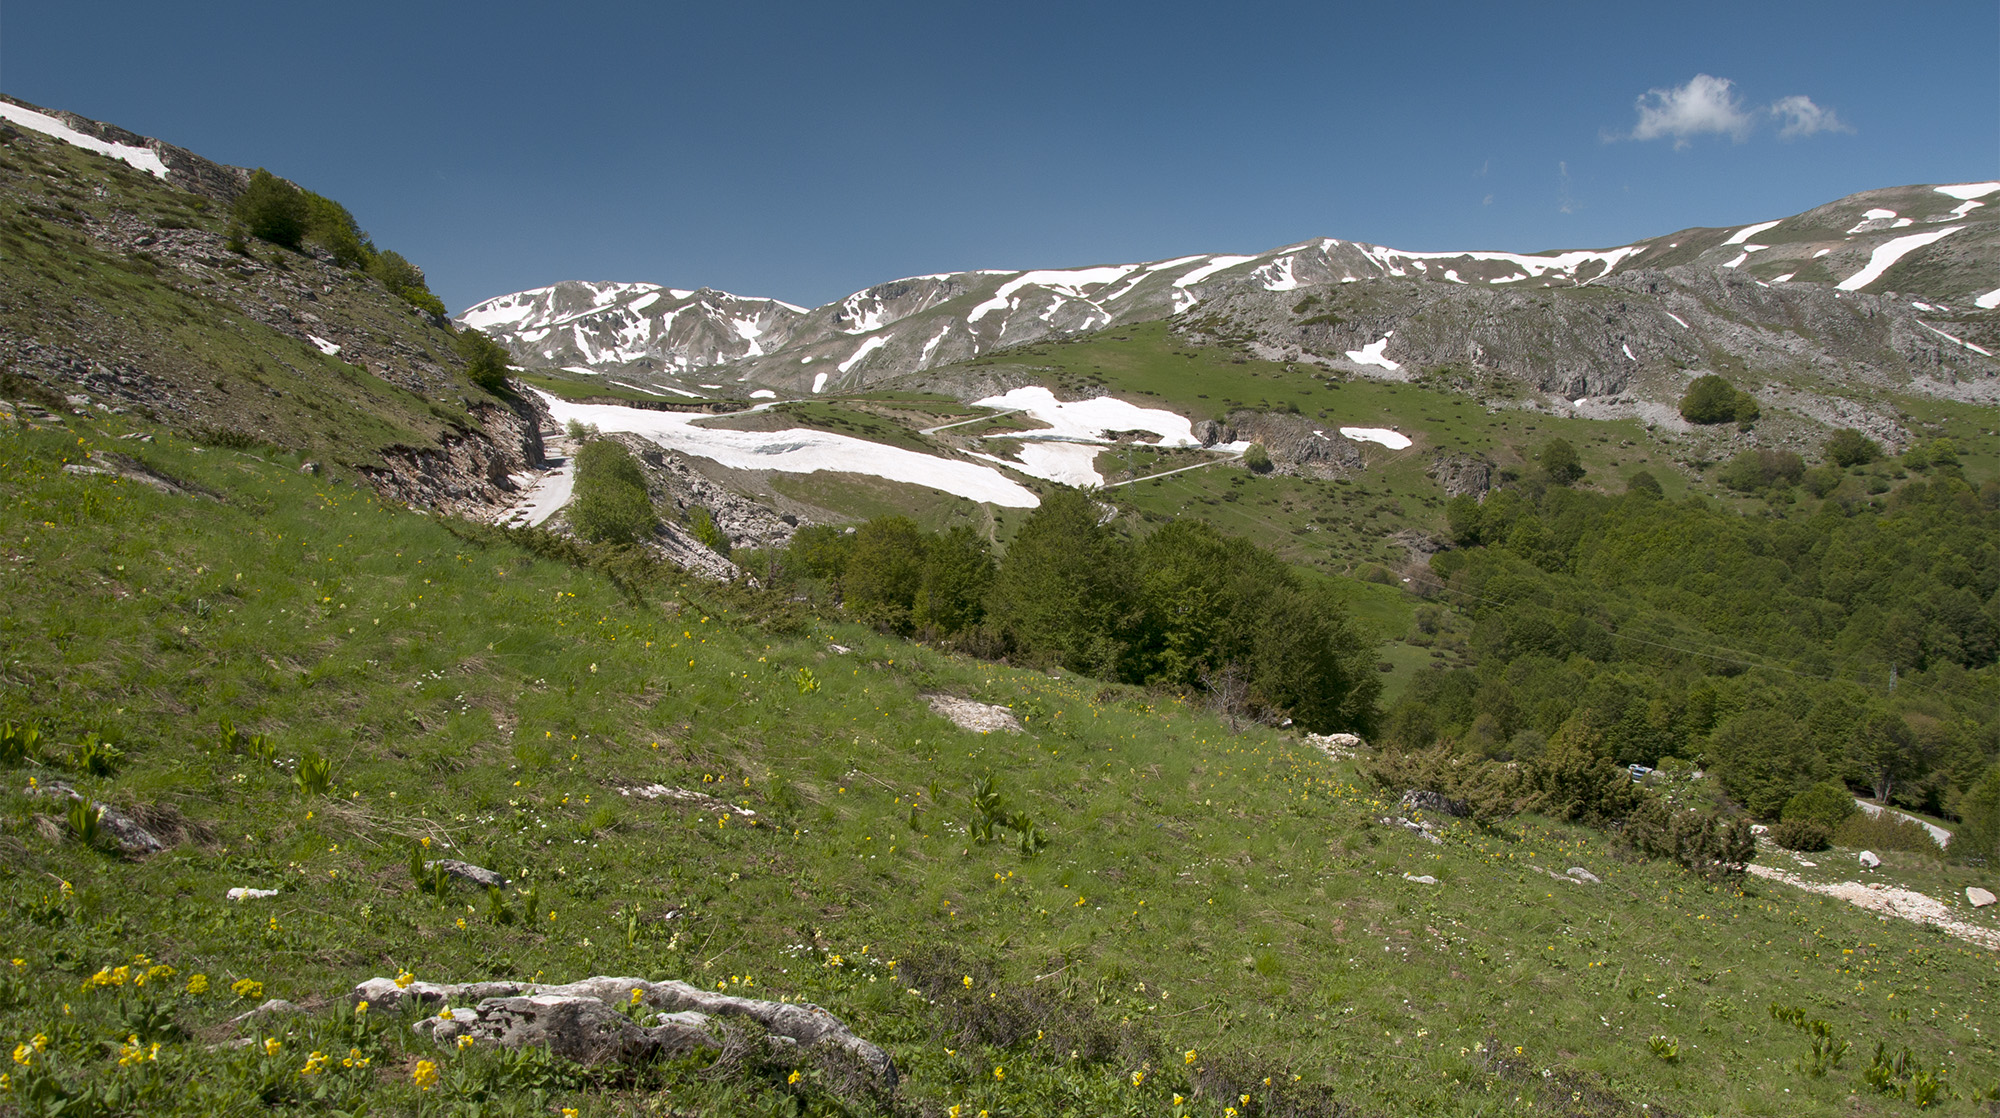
(702, 523)
(1490, 791)
(1754, 470)
(1559, 462)
(611, 504)
(1575, 778)
(1849, 447)
(272, 209)
(1863, 831)
(1820, 480)
(1827, 803)
(1257, 459)
(1705, 842)
(1802, 834)
(1712, 399)
(486, 360)
(1643, 482)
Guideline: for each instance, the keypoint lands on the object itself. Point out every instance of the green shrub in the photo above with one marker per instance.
(1704, 842)
(1849, 447)
(1754, 470)
(1863, 831)
(1820, 480)
(486, 361)
(1712, 399)
(1575, 778)
(1643, 482)
(273, 210)
(1489, 790)
(1827, 803)
(1802, 834)
(611, 504)
(702, 523)
(1257, 459)
(1560, 463)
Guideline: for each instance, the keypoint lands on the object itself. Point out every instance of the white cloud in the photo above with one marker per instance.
(1708, 106)
(1803, 118)
(1704, 105)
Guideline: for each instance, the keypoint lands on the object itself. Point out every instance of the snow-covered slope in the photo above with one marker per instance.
(633, 328)
(1941, 242)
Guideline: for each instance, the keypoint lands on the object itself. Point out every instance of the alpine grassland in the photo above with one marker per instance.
(1125, 909)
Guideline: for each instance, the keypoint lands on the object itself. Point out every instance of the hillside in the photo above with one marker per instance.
(325, 792)
(461, 690)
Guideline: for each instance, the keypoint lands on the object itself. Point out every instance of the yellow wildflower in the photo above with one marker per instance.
(24, 1055)
(247, 988)
(426, 1075)
(464, 1041)
(272, 1046)
(404, 979)
(1138, 1077)
(1189, 1056)
(793, 1078)
(999, 1073)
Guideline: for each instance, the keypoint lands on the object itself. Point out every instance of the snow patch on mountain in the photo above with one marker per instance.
(143, 158)
(867, 347)
(1371, 354)
(1966, 191)
(797, 451)
(1215, 264)
(1887, 253)
(1749, 231)
(1393, 439)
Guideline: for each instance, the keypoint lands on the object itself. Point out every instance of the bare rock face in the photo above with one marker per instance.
(1977, 897)
(1298, 446)
(626, 1020)
(1462, 475)
(980, 718)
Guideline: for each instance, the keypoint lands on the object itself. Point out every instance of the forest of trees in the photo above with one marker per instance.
(1185, 607)
(1850, 643)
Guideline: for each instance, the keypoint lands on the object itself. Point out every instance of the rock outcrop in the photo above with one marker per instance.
(623, 1020)
(980, 718)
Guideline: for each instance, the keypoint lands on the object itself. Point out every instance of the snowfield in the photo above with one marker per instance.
(1066, 451)
(1394, 440)
(796, 451)
(1888, 252)
(1371, 354)
(144, 158)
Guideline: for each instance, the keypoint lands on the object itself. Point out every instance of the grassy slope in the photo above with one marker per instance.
(187, 331)
(1225, 904)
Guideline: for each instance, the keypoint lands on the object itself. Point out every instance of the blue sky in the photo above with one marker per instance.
(806, 150)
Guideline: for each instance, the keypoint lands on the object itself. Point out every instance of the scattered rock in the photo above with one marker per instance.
(701, 800)
(587, 1021)
(1436, 803)
(1339, 747)
(980, 718)
(839, 649)
(1890, 901)
(244, 892)
(1759, 829)
(274, 1006)
(123, 829)
(1420, 878)
(1581, 874)
(1869, 860)
(1425, 830)
(1977, 897)
(466, 871)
